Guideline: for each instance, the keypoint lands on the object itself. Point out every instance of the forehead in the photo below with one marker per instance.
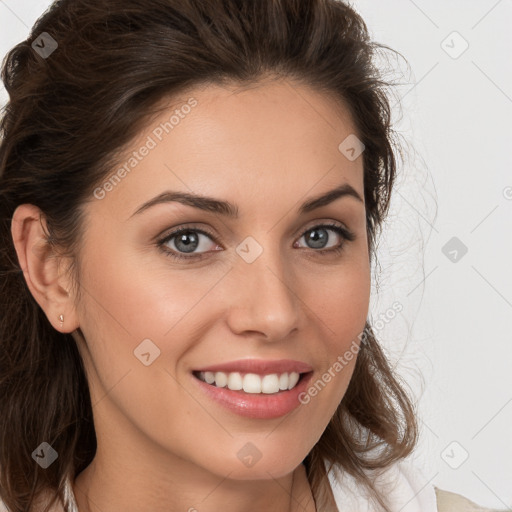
(262, 111)
(240, 141)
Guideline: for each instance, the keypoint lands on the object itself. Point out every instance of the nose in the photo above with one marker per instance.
(262, 299)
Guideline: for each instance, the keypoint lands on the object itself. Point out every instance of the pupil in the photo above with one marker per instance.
(189, 245)
(317, 239)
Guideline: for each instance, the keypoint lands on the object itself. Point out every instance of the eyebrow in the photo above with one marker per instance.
(231, 210)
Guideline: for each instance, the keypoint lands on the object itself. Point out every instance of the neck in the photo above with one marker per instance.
(97, 489)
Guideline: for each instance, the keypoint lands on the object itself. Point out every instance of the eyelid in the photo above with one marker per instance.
(318, 223)
(168, 234)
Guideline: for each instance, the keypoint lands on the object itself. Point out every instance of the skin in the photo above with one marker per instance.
(162, 444)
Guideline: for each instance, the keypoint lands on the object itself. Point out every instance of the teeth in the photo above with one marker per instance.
(251, 382)
(235, 381)
(270, 383)
(293, 379)
(221, 379)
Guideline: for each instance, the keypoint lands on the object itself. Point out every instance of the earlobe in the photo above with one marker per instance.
(40, 266)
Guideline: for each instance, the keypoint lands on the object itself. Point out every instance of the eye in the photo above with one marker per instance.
(182, 243)
(185, 240)
(318, 237)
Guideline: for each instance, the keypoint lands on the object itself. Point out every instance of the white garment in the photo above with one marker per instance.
(403, 485)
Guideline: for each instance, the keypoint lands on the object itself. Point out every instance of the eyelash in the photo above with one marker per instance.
(347, 236)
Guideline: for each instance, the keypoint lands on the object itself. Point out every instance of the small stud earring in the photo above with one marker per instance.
(61, 320)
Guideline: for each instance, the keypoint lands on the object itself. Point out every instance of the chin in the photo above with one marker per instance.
(263, 464)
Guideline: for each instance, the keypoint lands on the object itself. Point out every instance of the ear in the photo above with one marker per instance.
(42, 267)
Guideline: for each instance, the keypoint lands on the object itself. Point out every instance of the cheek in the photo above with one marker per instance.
(340, 307)
(124, 304)
(131, 301)
(340, 299)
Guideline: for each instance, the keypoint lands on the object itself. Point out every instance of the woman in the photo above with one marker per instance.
(191, 196)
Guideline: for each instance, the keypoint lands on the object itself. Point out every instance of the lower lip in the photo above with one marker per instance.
(257, 405)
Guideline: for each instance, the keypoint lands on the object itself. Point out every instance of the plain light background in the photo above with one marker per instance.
(446, 250)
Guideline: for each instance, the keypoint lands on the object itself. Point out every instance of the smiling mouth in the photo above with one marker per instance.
(270, 384)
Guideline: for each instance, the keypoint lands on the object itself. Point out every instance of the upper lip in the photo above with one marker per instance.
(260, 366)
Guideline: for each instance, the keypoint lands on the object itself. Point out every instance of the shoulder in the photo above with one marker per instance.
(452, 502)
(402, 485)
(405, 488)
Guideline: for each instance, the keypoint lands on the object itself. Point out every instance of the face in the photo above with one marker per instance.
(275, 289)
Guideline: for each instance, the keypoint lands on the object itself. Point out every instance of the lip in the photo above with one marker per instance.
(259, 366)
(256, 405)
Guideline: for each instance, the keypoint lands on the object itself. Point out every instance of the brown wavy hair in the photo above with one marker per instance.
(67, 118)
